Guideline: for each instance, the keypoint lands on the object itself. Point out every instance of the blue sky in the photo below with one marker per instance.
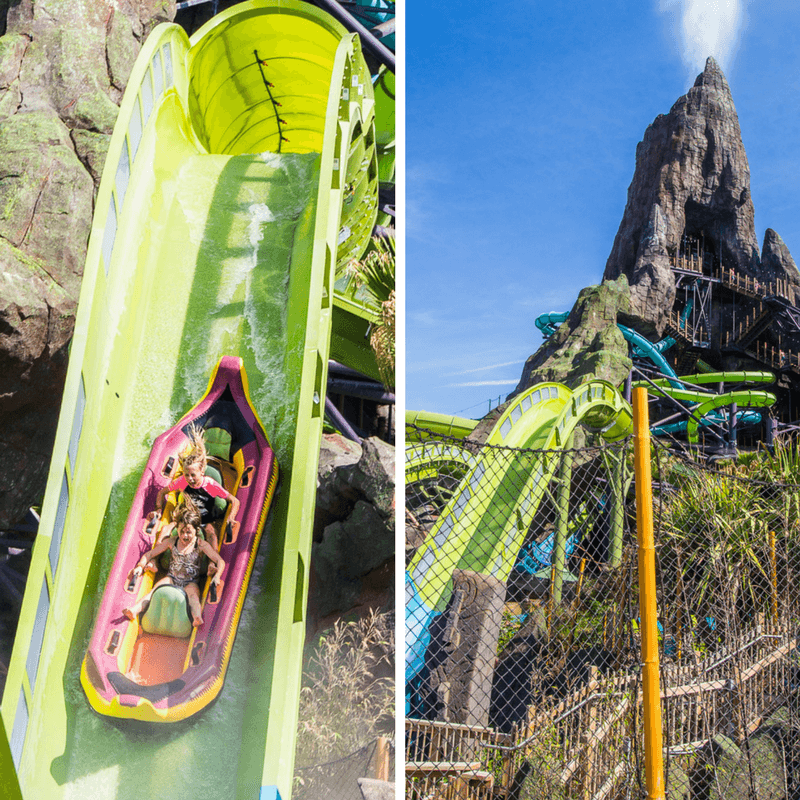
(522, 120)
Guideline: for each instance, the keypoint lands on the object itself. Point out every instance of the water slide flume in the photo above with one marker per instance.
(441, 424)
(218, 226)
(482, 528)
(158, 668)
(705, 406)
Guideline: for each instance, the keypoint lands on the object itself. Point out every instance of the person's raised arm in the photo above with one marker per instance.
(234, 501)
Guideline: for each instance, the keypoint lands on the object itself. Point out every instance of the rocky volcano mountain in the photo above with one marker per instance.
(685, 260)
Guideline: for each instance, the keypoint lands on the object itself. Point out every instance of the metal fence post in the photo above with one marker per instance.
(562, 528)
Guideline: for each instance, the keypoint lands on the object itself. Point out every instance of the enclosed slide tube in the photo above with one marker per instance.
(441, 424)
(675, 387)
(706, 406)
(548, 325)
(481, 528)
(219, 221)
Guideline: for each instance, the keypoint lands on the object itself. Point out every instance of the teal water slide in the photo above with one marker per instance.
(241, 174)
(705, 406)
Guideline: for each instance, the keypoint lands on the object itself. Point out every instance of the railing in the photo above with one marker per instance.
(753, 287)
(689, 334)
(586, 737)
(777, 358)
(690, 263)
(449, 761)
(745, 284)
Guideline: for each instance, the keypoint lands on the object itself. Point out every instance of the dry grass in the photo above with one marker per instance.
(347, 699)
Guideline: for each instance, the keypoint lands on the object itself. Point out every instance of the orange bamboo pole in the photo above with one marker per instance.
(654, 765)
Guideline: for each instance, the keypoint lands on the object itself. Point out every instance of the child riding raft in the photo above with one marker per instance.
(184, 566)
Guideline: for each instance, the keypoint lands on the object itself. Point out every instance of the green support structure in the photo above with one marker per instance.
(562, 525)
(9, 783)
(617, 499)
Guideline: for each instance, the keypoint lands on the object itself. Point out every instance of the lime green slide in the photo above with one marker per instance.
(241, 172)
(481, 528)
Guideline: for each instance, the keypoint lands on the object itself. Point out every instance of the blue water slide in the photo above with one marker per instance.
(548, 324)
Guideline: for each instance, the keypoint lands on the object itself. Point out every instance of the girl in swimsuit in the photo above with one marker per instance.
(184, 567)
(195, 484)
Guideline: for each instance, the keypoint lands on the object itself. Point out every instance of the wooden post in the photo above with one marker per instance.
(773, 569)
(380, 764)
(589, 741)
(580, 584)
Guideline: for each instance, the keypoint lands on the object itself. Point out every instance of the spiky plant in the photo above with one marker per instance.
(717, 529)
(375, 274)
(346, 695)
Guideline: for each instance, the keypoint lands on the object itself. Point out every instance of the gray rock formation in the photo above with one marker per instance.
(63, 68)
(691, 175)
(352, 558)
(588, 345)
(690, 189)
(372, 789)
(777, 262)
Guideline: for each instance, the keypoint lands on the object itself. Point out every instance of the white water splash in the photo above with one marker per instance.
(259, 214)
(706, 28)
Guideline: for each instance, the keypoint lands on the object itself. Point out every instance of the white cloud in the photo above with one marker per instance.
(483, 369)
(706, 28)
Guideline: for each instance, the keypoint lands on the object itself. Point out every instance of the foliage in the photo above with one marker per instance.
(345, 700)
(546, 762)
(510, 624)
(375, 272)
(719, 527)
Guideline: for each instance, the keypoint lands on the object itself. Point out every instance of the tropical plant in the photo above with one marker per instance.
(375, 274)
(716, 544)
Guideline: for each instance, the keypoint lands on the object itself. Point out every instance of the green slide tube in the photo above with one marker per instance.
(218, 225)
(442, 424)
(704, 402)
(743, 399)
(703, 378)
(482, 528)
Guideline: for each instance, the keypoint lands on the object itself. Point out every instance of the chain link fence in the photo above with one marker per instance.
(342, 778)
(523, 650)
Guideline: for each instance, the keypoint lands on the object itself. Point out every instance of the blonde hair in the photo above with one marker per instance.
(194, 452)
(187, 513)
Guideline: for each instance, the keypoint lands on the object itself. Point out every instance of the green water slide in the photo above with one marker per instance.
(442, 424)
(485, 521)
(241, 171)
(703, 402)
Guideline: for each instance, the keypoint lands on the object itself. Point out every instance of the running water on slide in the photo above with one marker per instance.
(219, 223)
